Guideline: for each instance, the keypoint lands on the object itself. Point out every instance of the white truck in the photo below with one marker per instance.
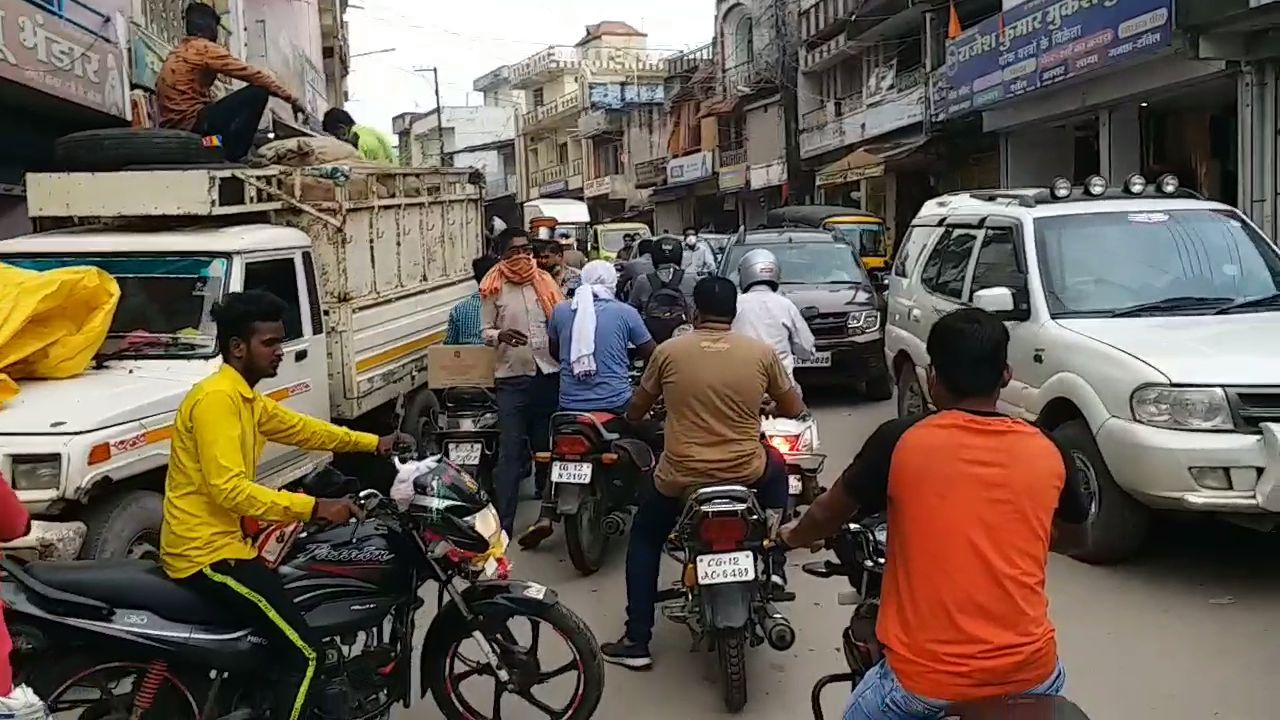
(370, 264)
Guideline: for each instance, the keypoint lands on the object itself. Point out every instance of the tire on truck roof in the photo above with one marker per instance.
(117, 148)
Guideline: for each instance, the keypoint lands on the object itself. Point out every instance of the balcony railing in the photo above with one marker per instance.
(570, 102)
(853, 117)
(826, 19)
(623, 61)
(743, 75)
(544, 64)
(733, 156)
(561, 171)
(690, 61)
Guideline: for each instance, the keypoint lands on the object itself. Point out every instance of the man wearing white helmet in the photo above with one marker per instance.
(768, 316)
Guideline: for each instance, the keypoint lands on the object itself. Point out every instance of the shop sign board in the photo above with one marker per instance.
(596, 187)
(733, 177)
(43, 51)
(651, 172)
(551, 188)
(1039, 43)
(768, 174)
(690, 168)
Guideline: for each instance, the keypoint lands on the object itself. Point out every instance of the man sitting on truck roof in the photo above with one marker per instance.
(183, 99)
(372, 143)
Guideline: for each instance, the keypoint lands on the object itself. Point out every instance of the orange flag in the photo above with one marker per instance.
(1000, 24)
(953, 23)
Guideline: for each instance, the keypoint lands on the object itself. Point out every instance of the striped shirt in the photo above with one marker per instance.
(465, 323)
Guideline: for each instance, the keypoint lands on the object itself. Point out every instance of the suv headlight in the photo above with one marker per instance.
(1182, 408)
(36, 472)
(864, 322)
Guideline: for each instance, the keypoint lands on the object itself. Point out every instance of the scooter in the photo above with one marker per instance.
(797, 440)
(468, 432)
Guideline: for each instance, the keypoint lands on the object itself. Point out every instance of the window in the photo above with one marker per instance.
(998, 265)
(909, 249)
(564, 153)
(280, 278)
(537, 97)
(945, 268)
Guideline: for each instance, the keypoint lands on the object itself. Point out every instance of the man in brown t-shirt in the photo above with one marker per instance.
(183, 98)
(713, 381)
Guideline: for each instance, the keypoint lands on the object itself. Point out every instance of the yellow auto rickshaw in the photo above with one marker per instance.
(860, 229)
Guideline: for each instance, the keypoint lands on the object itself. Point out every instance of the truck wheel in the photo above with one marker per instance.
(116, 148)
(124, 525)
(910, 394)
(879, 386)
(1117, 522)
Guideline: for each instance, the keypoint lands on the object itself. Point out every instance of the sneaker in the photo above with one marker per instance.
(539, 531)
(628, 654)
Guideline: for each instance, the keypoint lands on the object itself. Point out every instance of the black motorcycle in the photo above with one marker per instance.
(467, 432)
(861, 553)
(118, 640)
(725, 596)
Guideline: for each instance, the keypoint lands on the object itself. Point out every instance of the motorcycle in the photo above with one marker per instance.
(861, 550)
(468, 432)
(797, 440)
(725, 596)
(119, 640)
(595, 476)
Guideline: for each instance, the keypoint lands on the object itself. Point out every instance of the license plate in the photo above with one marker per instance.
(822, 359)
(465, 453)
(571, 473)
(722, 568)
(794, 485)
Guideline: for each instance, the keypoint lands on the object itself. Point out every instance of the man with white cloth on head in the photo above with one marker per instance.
(592, 334)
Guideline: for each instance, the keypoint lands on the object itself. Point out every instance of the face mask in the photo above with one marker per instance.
(691, 240)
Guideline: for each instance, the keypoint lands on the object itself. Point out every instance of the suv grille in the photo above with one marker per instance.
(1254, 406)
(829, 325)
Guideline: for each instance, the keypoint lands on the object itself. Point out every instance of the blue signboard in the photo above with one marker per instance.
(1043, 42)
(619, 96)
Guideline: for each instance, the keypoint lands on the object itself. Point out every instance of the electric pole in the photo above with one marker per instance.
(799, 185)
(445, 161)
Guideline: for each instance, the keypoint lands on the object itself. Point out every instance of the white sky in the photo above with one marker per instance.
(467, 38)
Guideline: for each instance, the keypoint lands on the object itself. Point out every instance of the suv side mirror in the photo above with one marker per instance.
(999, 302)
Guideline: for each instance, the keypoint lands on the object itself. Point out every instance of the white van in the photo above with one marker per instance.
(1144, 325)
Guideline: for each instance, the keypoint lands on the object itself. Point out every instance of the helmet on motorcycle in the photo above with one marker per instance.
(668, 250)
(451, 503)
(759, 266)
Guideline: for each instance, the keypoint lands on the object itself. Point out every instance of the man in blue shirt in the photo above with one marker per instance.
(592, 334)
(464, 319)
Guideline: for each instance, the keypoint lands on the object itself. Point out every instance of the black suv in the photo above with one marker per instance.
(824, 277)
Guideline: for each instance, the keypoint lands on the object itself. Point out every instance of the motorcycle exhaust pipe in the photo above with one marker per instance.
(614, 524)
(777, 629)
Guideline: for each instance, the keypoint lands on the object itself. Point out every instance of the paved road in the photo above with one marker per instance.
(1189, 632)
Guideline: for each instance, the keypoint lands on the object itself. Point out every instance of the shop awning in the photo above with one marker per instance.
(718, 106)
(868, 161)
(666, 193)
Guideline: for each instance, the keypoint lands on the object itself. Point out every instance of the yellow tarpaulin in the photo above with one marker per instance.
(52, 322)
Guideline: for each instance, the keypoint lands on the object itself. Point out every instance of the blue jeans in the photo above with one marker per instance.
(525, 405)
(881, 697)
(654, 520)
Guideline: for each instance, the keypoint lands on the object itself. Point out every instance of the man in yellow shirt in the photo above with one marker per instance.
(373, 144)
(218, 436)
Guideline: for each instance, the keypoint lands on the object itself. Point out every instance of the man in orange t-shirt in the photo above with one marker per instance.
(972, 496)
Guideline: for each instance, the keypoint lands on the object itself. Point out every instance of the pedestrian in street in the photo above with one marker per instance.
(551, 259)
(184, 100)
(517, 299)
(573, 257)
(465, 324)
(372, 143)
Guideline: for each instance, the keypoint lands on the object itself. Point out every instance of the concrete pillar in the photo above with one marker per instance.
(1034, 156)
(1119, 143)
(1256, 109)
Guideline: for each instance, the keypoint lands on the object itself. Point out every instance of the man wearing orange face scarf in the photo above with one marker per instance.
(516, 299)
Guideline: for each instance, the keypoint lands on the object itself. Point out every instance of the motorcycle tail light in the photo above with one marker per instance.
(785, 443)
(575, 445)
(724, 533)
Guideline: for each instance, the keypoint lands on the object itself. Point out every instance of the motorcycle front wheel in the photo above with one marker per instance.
(731, 652)
(566, 685)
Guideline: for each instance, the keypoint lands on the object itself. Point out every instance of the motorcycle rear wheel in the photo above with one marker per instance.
(55, 682)
(584, 535)
(731, 652)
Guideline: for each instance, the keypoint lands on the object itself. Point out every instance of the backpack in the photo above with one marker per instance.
(666, 309)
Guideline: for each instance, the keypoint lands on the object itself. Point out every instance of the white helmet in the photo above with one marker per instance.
(759, 266)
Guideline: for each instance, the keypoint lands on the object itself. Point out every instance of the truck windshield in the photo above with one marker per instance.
(1154, 262)
(164, 300)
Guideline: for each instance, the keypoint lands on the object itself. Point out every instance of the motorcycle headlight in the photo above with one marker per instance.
(1182, 408)
(864, 322)
(487, 523)
(36, 472)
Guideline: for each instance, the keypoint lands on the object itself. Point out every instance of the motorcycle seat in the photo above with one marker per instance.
(129, 585)
(1021, 707)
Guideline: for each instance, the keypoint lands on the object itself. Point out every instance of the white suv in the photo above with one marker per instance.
(1144, 334)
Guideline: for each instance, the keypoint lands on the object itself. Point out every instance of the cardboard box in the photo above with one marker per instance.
(460, 365)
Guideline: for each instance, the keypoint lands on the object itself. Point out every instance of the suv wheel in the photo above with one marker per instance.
(910, 394)
(1117, 523)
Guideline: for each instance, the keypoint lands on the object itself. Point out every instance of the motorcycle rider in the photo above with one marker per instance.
(641, 263)
(768, 316)
(699, 258)
(220, 430)
(712, 380)
(972, 499)
(594, 362)
(650, 292)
